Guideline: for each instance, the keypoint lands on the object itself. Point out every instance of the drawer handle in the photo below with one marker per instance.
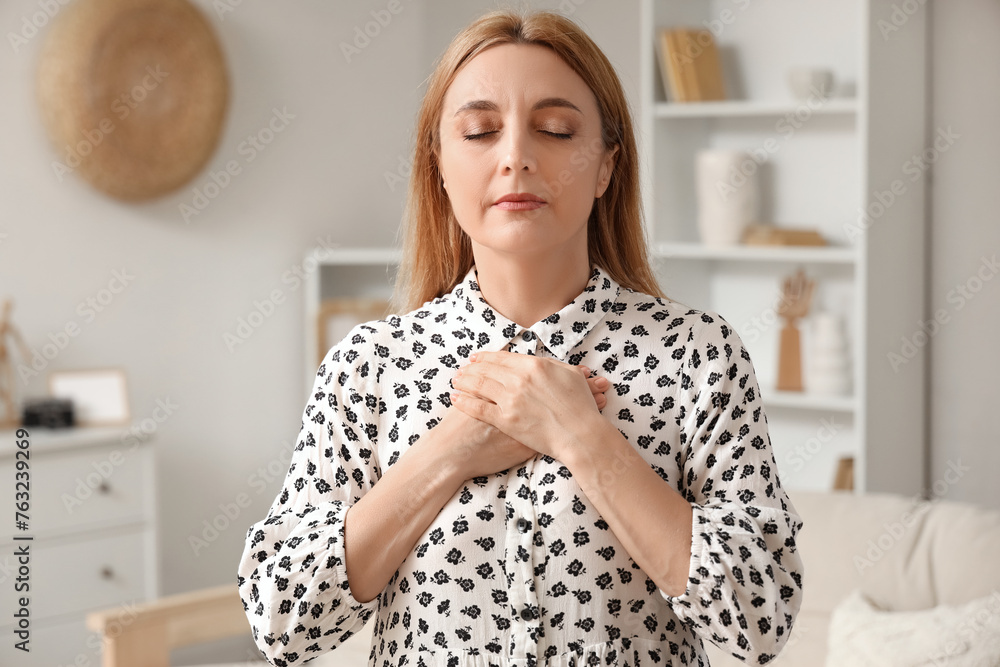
(104, 488)
(107, 572)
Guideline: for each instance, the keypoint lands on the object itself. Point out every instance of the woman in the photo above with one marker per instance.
(464, 476)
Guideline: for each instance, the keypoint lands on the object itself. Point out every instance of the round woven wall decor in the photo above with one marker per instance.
(133, 94)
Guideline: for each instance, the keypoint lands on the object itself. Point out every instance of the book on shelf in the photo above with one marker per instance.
(690, 65)
(766, 234)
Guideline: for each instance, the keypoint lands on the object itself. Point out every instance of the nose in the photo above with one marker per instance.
(519, 153)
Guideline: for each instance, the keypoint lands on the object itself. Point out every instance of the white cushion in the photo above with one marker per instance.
(862, 634)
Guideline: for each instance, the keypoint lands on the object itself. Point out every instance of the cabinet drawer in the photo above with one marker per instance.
(66, 643)
(78, 575)
(79, 488)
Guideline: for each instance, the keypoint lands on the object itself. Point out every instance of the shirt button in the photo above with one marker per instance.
(522, 525)
(526, 614)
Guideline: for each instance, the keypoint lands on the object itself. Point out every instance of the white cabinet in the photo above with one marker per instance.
(848, 164)
(92, 524)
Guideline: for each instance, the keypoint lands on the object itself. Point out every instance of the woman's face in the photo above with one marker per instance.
(518, 120)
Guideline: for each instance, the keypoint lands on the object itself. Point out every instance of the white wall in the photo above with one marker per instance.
(321, 176)
(325, 176)
(965, 229)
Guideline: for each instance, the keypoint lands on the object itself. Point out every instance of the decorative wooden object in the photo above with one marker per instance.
(844, 480)
(9, 417)
(796, 295)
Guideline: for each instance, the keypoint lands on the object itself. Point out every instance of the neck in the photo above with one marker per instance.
(528, 288)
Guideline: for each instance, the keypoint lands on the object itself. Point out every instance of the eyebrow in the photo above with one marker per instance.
(548, 102)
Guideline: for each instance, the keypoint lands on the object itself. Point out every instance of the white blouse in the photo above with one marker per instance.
(518, 568)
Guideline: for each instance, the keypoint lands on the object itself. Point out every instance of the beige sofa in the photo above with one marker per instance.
(902, 553)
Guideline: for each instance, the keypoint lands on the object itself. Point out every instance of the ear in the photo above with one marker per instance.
(604, 174)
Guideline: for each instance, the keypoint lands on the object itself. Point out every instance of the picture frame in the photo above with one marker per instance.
(336, 318)
(99, 395)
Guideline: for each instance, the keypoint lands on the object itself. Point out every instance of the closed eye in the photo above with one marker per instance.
(480, 135)
(473, 137)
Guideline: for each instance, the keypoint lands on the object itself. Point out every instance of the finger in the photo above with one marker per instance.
(599, 384)
(499, 357)
(601, 400)
(475, 407)
(479, 385)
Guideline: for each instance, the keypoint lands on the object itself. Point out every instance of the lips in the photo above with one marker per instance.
(519, 201)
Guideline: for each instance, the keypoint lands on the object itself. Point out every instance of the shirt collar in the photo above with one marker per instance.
(560, 332)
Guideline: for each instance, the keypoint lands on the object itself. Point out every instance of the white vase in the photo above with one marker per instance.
(830, 371)
(728, 195)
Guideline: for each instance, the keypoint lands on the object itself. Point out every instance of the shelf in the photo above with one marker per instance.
(811, 254)
(806, 400)
(749, 108)
(355, 256)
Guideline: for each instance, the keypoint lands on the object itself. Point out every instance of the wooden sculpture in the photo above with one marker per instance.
(796, 295)
(8, 409)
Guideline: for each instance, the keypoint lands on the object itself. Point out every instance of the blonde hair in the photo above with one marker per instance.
(437, 253)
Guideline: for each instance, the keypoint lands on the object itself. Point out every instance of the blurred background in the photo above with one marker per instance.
(164, 289)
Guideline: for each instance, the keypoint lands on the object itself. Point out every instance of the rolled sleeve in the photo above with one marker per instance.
(292, 576)
(745, 581)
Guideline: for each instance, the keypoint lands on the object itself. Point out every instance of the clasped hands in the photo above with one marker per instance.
(544, 403)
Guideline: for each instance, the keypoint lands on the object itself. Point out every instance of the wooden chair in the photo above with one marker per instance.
(144, 635)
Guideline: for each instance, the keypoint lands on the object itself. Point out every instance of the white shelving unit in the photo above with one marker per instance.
(354, 273)
(830, 160)
(819, 163)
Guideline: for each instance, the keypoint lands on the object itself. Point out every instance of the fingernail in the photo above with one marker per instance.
(472, 357)
(454, 397)
(603, 381)
(585, 368)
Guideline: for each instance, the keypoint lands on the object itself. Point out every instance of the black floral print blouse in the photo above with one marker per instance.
(518, 568)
